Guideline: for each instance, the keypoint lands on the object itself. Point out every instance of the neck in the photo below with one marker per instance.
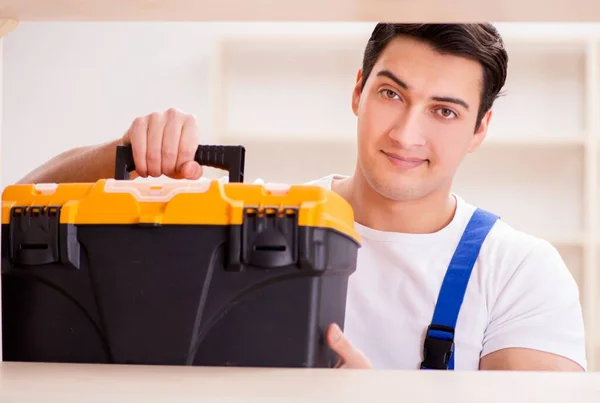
(425, 215)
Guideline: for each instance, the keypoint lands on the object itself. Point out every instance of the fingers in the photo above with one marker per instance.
(165, 143)
(156, 126)
(186, 165)
(137, 138)
(170, 142)
(350, 356)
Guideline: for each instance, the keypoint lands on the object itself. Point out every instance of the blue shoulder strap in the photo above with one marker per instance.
(439, 340)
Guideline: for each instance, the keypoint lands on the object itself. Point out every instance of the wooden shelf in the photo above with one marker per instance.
(564, 240)
(537, 142)
(320, 10)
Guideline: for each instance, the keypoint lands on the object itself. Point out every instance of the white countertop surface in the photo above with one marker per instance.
(66, 383)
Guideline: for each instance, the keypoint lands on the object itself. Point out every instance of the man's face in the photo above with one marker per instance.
(416, 119)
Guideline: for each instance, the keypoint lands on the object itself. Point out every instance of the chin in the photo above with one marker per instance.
(398, 189)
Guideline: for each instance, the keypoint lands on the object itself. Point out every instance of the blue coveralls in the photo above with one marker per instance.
(438, 349)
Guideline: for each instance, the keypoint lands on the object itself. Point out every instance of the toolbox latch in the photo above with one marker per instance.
(35, 237)
(269, 237)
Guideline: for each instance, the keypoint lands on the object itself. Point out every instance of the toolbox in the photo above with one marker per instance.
(202, 272)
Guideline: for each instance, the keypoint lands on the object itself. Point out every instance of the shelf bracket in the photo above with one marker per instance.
(7, 25)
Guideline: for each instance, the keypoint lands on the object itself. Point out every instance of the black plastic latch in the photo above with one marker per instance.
(34, 233)
(269, 239)
(35, 237)
(437, 351)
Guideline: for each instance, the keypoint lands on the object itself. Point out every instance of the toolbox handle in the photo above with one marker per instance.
(229, 158)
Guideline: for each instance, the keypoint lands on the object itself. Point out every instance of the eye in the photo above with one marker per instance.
(387, 93)
(446, 113)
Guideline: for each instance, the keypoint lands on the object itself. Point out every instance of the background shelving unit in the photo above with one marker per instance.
(538, 168)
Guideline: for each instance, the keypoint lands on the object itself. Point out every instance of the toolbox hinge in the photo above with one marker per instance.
(267, 238)
(37, 238)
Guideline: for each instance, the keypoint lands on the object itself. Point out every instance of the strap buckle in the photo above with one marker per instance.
(438, 349)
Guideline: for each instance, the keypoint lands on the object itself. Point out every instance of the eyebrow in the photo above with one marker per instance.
(394, 78)
(452, 100)
(391, 76)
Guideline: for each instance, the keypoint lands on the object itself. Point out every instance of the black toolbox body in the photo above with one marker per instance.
(204, 273)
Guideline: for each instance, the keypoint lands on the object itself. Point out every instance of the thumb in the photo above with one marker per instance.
(349, 355)
(191, 170)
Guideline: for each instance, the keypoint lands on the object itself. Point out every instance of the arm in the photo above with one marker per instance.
(523, 359)
(82, 164)
(536, 322)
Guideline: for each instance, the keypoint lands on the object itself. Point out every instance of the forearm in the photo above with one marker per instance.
(525, 359)
(82, 164)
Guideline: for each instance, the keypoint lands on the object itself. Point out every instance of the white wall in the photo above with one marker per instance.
(67, 85)
(71, 84)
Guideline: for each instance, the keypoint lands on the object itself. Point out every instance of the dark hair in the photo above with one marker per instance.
(479, 42)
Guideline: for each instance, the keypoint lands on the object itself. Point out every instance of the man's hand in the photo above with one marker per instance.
(165, 143)
(350, 356)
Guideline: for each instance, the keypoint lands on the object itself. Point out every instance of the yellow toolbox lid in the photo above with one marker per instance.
(204, 202)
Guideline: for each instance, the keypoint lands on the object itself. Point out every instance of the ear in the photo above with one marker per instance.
(481, 132)
(356, 92)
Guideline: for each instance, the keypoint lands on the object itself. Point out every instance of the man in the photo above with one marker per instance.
(423, 99)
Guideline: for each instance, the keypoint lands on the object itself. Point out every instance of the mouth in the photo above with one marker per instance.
(404, 162)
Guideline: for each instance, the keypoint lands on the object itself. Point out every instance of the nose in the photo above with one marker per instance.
(408, 129)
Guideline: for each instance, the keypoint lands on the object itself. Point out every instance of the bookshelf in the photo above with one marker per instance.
(538, 167)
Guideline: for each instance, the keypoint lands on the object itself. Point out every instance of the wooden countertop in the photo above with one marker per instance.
(66, 383)
(323, 10)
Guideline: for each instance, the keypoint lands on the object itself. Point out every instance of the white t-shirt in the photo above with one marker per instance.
(520, 294)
